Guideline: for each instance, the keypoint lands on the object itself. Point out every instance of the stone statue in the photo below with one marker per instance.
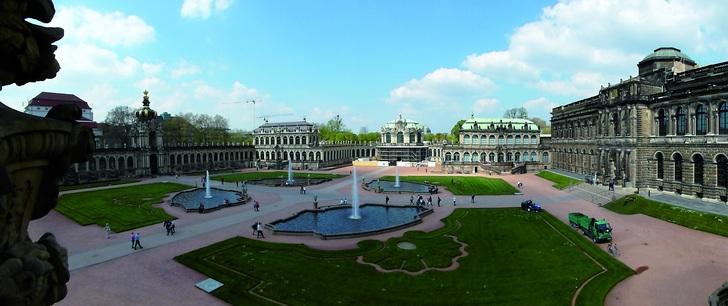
(34, 154)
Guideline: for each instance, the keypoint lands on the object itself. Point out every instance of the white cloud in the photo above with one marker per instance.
(538, 107)
(83, 25)
(203, 8)
(184, 68)
(442, 84)
(84, 61)
(484, 106)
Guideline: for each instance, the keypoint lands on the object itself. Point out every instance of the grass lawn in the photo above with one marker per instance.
(514, 258)
(462, 185)
(93, 185)
(124, 208)
(560, 181)
(239, 177)
(697, 220)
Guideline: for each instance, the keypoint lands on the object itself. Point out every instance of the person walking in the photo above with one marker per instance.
(386, 200)
(107, 229)
(412, 200)
(256, 206)
(255, 228)
(472, 198)
(137, 243)
(454, 200)
(304, 189)
(260, 230)
(133, 240)
(438, 201)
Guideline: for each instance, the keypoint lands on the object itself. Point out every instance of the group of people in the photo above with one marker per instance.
(169, 225)
(258, 229)
(135, 242)
(421, 201)
(303, 190)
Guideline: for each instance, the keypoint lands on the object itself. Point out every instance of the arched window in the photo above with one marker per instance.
(448, 156)
(681, 121)
(400, 137)
(501, 140)
(483, 140)
(491, 140)
(388, 138)
(466, 157)
(722, 163)
(509, 156)
(723, 118)
(518, 139)
(500, 157)
(678, 167)
(698, 169)
(525, 156)
(544, 156)
(412, 138)
(491, 157)
(466, 139)
(518, 157)
(475, 156)
(456, 156)
(661, 123)
(509, 139)
(660, 165)
(701, 121)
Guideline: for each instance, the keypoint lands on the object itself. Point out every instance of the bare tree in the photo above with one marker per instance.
(518, 113)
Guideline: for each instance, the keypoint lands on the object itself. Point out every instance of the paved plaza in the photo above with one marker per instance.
(681, 266)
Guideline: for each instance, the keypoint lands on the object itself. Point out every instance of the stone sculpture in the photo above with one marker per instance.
(34, 154)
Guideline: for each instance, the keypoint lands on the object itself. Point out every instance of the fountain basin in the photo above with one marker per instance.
(334, 222)
(190, 200)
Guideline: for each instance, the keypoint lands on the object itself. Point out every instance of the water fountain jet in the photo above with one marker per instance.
(354, 197)
(208, 194)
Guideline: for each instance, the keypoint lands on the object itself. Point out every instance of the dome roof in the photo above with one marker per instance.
(667, 53)
(146, 113)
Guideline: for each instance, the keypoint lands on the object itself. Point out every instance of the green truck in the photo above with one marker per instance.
(597, 230)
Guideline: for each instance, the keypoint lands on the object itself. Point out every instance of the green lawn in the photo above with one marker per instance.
(560, 181)
(698, 220)
(461, 185)
(94, 185)
(514, 258)
(239, 177)
(123, 208)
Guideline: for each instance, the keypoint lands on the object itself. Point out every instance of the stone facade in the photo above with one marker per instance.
(402, 140)
(501, 143)
(665, 129)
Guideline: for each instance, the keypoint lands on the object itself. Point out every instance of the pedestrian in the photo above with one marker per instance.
(133, 240)
(255, 228)
(172, 227)
(260, 230)
(166, 226)
(438, 201)
(454, 200)
(304, 189)
(237, 184)
(201, 208)
(222, 181)
(137, 243)
(412, 200)
(256, 206)
(518, 184)
(301, 191)
(386, 200)
(107, 229)
(425, 170)
(429, 201)
(472, 198)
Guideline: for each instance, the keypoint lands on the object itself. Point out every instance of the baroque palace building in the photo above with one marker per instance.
(496, 144)
(300, 142)
(665, 129)
(402, 140)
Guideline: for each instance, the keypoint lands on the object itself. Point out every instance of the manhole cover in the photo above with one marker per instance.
(406, 245)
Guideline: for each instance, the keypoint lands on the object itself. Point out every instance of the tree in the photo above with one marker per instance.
(543, 124)
(455, 131)
(518, 113)
(121, 116)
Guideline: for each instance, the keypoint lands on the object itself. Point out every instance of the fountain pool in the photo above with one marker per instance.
(190, 200)
(334, 222)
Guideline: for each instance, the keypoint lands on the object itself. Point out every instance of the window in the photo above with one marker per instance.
(466, 157)
(412, 138)
(388, 138)
(509, 140)
(400, 137)
(681, 121)
(616, 122)
(534, 140)
(518, 139)
(723, 118)
(466, 139)
(701, 121)
(501, 140)
(698, 169)
(491, 140)
(448, 157)
(678, 167)
(660, 165)
(545, 157)
(491, 157)
(722, 162)
(661, 123)
(456, 157)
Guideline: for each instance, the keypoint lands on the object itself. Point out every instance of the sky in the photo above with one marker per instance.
(434, 62)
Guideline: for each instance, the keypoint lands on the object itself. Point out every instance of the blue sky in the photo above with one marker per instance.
(434, 62)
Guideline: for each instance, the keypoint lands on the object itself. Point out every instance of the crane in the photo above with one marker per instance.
(249, 101)
(265, 117)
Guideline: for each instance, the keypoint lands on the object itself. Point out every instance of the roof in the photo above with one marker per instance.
(290, 125)
(51, 99)
(408, 123)
(484, 123)
(667, 53)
